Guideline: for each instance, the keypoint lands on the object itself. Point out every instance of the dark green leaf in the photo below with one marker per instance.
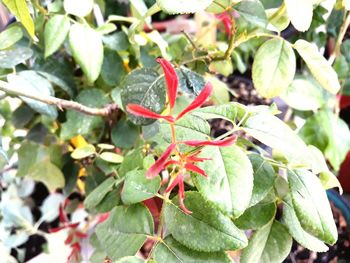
(138, 188)
(205, 221)
(112, 68)
(14, 56)
(124, 232)
(256, 216)
(171, 251)
(264, 178)
(79, 123)
(124, 134)
(146, 88)
(96, 196)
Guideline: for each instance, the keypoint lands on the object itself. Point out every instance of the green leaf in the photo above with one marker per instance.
(87, 49)
(264, 178)
(35, 84)
(312, 206)
(190, 82)
(21, 11)
(193, 230)
(133, 160)
(183, 6)
(96, 196)
(83, 152)
(79, 8)
(230, 179)
(274, 133)
(300, 13)
(274, 67)
(112, 68)
(256, 216)
(124, 232)
(304, 94)
(79, 123)
(125, 134)
(12, 57)
(107, 28)
(278, 19)
(138, 188)
(130, 260)
(330, 134)
(270, 244)
(253, 11)
(171, 251)
(298, 233)
(47, 173)
(226, 111)
(219, 6)
(56, 31)
(34, 162)
(111, 157)
(146, 88)
(10, 36)
(189, 127)
(320, 68)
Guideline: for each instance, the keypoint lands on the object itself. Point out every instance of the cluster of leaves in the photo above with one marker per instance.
(127, 163)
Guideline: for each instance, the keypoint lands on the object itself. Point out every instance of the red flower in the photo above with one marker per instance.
(159, 165)
(227, 21)
(172, 85)
(222, 143)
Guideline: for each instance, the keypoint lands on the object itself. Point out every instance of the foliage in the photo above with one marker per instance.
(135, 142)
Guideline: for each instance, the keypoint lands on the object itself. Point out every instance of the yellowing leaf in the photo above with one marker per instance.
(20, 9)
(83, 152)
(111, 157)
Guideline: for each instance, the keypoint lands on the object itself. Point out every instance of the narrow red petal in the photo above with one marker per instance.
(198, 101)
(171, 79)
(344, 101)
(81, 234)
(182, 197)
(193, 168)
(222, 143)
(143, 112)
(56, 229)
(69, 239)
(62, 216)
(177, 181)
(193, 158)
(159, 165)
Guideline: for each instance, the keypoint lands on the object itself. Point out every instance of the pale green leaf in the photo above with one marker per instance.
(270, 244)
(300, 13)
(12, 57)
(229, 183)
(83, 152)
(253, 11)
(320, 68)
(274, 67)
(87, 49)
(79, 8)
(183, 6)
(56, 31)
(298, 233)
(111, 157)
(10, 36)
(312, 206)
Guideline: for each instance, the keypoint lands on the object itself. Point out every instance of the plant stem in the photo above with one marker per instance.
(342, 32)
(60, 103)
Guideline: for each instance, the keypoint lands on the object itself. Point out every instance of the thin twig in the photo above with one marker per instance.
(59, 103)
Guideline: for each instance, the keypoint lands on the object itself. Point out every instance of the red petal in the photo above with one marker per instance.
(193, 168)
(69, 239)
(344, 101)
(193, 158)
(171, 80)
(73, 225)
(56, 229)
(222, 143)
(159, 165)
(80, 234)
(226, 20)
(179, 178)
(62, 216)
(103, 218)
(143, 112)
(182, 197)
(198, 101)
